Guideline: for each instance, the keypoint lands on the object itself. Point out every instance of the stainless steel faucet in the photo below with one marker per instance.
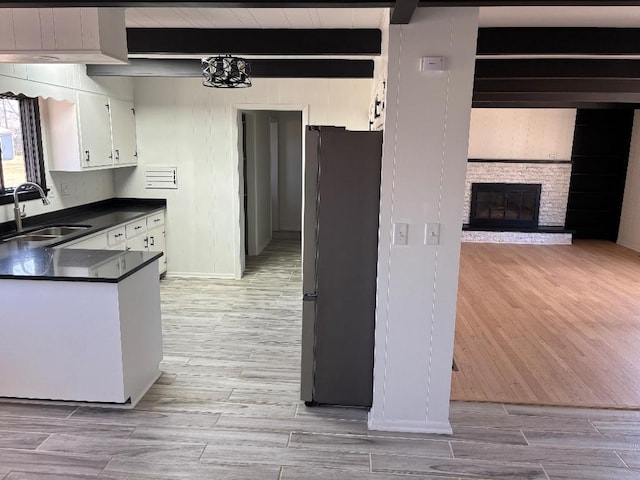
(16, 205)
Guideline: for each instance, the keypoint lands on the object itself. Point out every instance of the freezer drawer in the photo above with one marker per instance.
(308, 345)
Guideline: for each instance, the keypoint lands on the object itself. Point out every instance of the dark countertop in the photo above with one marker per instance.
(60, 264)
(39, 261)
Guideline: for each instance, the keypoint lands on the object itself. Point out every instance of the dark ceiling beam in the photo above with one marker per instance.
(491, 41)
(260, 68)
(556, 68)
(528, 3)
(557, 86)
(201, 3)
(551, 103)
(304, 3)
(556, 83)
(254, 41)
(548, 99)
(402, 11)
(558, 41)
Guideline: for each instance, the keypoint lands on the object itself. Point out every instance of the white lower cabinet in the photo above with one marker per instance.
(157, 243)
(145, 234)
(139, 243)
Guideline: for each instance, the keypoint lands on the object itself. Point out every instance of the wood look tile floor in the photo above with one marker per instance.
(227, 408)
(549, 324)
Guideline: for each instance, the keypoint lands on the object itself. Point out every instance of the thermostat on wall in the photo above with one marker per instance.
(432, 64)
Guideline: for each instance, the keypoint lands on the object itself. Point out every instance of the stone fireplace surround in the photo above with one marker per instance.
(553, 175)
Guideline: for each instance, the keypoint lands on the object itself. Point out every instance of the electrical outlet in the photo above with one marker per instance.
(64, 189)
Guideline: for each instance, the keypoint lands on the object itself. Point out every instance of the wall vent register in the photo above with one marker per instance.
(161, 177)
(505, 205)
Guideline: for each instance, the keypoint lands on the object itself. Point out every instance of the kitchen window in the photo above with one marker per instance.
(21, 158)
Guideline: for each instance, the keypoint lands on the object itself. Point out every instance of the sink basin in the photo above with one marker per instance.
(31, 238)
(47, 233)
(58, 231)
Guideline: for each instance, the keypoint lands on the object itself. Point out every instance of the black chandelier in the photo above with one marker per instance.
(225, 72)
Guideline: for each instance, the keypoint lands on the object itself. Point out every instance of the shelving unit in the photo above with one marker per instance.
(599, 157)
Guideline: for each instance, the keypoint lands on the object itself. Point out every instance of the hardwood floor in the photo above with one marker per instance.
(227, 408)
(555, 325)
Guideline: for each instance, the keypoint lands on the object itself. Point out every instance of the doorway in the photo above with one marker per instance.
(271, 152)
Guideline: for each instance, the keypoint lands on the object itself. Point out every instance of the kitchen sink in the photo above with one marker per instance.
(58, 231)
(31, 238)
(47, 233)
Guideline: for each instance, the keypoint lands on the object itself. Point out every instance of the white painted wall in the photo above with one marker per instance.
(289, 171)
(275, 198)
(528, 134)
(521, 133)
(380, 75)
(61, 82)
(423, 174)
(629, 233)
(258, 180)
(180, 122)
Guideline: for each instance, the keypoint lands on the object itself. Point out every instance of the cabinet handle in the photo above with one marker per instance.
(87, 156)
(117, 155)
(153, 242)
(118, 235)
(156, 220)
(128, 248)
(146, 242)
(138, 227)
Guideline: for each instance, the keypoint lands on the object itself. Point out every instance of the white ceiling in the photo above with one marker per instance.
(372, 17)
(255, 17)
(560, 17)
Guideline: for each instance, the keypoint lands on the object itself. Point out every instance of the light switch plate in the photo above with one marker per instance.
(431, 233)
(400, 233)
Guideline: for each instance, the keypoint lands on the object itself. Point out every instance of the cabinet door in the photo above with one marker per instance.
(95, 131)
(157, 243)
(123, 132)
(139, 243)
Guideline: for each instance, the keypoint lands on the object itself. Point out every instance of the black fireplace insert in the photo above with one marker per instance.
(505, 205)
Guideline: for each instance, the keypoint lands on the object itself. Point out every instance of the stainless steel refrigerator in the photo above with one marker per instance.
(340, 251)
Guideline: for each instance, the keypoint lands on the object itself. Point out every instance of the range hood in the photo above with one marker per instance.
(63, 35)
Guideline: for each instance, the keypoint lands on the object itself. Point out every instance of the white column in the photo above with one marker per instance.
(424, 163)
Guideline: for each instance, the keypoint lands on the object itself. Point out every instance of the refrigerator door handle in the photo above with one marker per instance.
(310, 297)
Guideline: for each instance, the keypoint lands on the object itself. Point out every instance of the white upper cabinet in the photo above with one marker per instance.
(123, 132)
(65, 35)
(95, 141)
(96, 132)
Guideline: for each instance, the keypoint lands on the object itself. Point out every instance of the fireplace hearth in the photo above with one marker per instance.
(505, 206)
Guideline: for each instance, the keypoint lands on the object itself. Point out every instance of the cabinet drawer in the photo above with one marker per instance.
(115, 236)
(136, 228)
(155, 220)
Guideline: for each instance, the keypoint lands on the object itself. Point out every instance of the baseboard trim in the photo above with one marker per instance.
(442, 428)
(214, 276)
(635, 248)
